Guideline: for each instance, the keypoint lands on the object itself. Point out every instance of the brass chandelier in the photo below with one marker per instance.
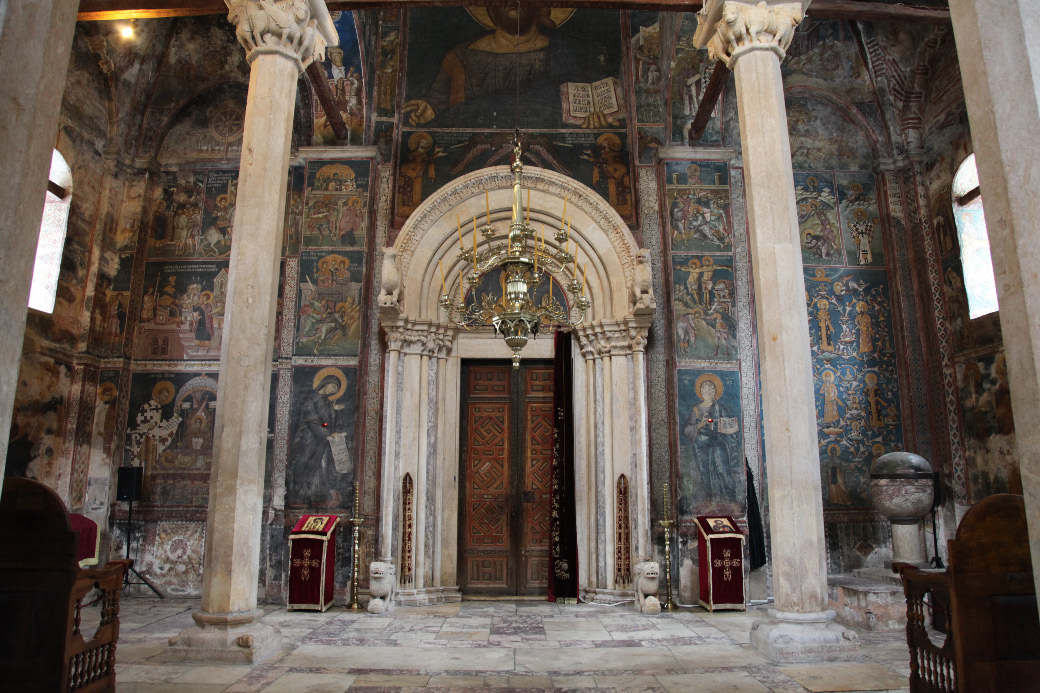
(526, 261)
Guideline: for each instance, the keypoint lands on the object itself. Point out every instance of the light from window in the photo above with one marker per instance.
(976, 261)
(52, 236)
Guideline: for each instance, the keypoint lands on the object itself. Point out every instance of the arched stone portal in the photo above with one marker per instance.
(422, 378)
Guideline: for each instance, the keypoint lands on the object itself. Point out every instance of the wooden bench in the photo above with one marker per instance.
(994, 631)
(42, 590)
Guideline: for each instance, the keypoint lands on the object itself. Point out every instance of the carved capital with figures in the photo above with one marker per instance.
(299, 30)
(729, 28)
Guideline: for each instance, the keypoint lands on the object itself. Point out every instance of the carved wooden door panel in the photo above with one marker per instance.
(505, 478)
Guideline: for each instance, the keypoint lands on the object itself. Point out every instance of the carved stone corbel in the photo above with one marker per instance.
(296, 29)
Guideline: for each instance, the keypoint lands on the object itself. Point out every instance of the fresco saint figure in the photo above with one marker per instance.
(478, 79)
(313, 462)
(704, 428)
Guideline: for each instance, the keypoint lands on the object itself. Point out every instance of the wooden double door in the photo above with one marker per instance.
(505, 477)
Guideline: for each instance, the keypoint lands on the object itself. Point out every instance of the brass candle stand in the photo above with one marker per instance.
(356, 521)
(666, 523)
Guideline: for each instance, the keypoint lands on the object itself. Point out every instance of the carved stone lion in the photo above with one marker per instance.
(390, 286)
(647, 574)
(642, 289)
(382, 585)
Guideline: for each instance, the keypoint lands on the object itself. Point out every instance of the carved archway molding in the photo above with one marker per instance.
(422, 375)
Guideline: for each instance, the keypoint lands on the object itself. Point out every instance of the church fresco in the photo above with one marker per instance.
(176, 220)
(336, 204)
(824, 55)
(860, 219)
(462, 64)
(647, 67)
(989, 426)
(431, 159)
(704, 300)
(37, 419)
(649, 140)
(854, 376)
(822, 139)
(102, 441)
(182, 310)
(111, 301)
(689, 78)
(818, 218)
(211, 131)
(698, 200)
(169, 433)
(387, 71)
(218, 214)
(293, 229)
(322, 444)
(343, 69)
(331, 303)
(711, 458)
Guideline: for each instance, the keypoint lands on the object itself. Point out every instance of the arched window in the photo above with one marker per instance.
(52, 235)
(976, 262)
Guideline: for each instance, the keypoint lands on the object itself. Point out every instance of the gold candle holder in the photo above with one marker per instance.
(666, 523)
(356, 521)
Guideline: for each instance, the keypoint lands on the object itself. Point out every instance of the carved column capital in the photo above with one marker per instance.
(296, 29)
(637, 338)
(730, 28)
(394, 338)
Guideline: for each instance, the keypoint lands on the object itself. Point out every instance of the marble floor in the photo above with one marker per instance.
(488, 645)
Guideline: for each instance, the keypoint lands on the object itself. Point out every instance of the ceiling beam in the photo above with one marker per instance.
(328, 101)
(854, 10)
(719, 77)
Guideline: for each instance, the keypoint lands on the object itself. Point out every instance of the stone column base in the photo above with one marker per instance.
(428, 595)
(239, 638)
(809, 637)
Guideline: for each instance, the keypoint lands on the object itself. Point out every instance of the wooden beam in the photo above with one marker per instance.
(853, 10)
(719, 77)
(328, 101)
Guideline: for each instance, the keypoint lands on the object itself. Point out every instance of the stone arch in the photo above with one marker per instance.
(423, 368)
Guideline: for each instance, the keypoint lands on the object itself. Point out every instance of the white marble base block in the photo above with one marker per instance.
(804, 637)
(240, 638)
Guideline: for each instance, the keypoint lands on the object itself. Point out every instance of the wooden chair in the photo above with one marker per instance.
(994, 635)
(42, 589)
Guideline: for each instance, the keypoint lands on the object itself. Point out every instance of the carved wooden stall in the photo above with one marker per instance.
(42, 646)
(994, 638)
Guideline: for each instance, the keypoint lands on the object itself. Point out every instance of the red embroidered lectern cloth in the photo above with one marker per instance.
(312, 562)
(721, 552)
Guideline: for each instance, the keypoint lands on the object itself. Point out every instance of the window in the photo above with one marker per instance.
(52, 236)
(976, 262)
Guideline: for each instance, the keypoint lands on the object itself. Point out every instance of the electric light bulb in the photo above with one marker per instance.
(127, 31)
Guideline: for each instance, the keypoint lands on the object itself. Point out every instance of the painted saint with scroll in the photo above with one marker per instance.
(712, 432)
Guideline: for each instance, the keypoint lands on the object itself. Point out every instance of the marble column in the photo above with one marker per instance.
(1002, 92)
(228, 626)
(801, 627)
(35, 43)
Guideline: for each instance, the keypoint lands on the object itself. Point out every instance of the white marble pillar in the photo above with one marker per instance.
(802, 628)
(1000, 69)
(391, 443)
(228, 626)
(35, 43)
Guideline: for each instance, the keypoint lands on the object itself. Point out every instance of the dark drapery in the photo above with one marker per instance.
(563, 549)
(756, 533)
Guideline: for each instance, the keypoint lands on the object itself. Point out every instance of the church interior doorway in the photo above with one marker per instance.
(505, 477)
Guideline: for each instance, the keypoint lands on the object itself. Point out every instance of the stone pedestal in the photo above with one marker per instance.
(801, 629)
(999, 63)
(228, 627)
(804, 637)
(901, 487)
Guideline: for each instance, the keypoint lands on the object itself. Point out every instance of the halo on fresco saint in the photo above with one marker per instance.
(713, 379)
(336, 373)
(107, 392)
(558, 15)
(163, 392)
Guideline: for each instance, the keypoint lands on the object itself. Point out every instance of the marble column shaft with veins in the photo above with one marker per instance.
(280, 40)
(751, 40)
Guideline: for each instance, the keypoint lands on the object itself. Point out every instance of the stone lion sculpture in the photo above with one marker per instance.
(647, 574)
(390, 286)
(642, 289)
(382, 585)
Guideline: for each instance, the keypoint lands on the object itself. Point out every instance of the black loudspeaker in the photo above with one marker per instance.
(128, 486)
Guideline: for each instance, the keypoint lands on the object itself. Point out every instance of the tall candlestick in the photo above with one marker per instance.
(357, 498)
(528, 217)
(666, 501)
(584, 267)
(474, 249)
(564, 215)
